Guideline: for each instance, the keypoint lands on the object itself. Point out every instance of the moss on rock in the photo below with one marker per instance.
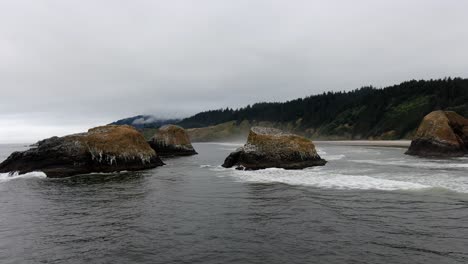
(270, 147)
(102, 149)
(172, 140)
(441, 133)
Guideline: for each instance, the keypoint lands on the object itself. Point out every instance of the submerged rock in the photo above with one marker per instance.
(101, 149)
(172, 140)
(441, 133)
(273, 148)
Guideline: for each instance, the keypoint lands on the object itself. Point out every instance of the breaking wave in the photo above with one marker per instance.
(4, 177)
(333, 157)
(326, 180)
(434, 164)
(321, 179)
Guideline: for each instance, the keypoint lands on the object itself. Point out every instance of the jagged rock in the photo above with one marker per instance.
(172, 140)
(101, 149)
(273, 148)
(441, 133)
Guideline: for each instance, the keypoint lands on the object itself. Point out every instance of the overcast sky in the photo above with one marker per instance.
(69, 65)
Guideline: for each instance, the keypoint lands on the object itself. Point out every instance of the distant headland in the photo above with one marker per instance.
(367, 113)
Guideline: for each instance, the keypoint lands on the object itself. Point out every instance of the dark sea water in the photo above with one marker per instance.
(367, 205)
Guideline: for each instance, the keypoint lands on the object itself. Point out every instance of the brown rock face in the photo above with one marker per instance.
(172, 140)
(272, 148)
(441, 133)
(101, 149)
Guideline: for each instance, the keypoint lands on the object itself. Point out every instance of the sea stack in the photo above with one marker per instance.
(273, 148)
(102, 149)
(441, 134)
(172, 140)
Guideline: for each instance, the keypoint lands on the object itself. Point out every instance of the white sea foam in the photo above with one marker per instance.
(333, 157)
(228, 149)
(4, 177)
(217, 168)
(230, 144)
(107, 173)
(320, 151)
(382, 169)
(435, 164)
(447, 181)
(324, 179)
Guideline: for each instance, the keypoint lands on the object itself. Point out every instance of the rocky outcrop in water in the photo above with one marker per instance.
(101, 149)
(172, 140)
(273, 148)
(441, 133)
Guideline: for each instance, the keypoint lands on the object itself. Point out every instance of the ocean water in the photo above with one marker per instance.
(367, 205)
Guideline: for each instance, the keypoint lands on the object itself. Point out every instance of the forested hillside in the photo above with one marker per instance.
(145, 121)
(390, 113)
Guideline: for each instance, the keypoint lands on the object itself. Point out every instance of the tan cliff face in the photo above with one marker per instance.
(441, 133)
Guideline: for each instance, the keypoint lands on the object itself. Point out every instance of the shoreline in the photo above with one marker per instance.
(368, 143)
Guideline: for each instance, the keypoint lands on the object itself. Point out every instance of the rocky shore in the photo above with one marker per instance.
(102, 149)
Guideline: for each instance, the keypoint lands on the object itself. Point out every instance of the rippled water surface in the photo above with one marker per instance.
(367, 205)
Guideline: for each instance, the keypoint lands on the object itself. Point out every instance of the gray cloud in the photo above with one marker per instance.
(144, 120)
(68, 65)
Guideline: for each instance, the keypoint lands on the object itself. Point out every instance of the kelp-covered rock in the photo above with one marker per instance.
(101, 149)
(441, 133)
(172, 140)
(273, 148)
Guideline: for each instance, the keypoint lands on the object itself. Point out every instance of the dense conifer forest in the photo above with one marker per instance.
(389, 113)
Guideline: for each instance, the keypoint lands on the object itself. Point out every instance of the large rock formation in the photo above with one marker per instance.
(441, 133)
(101, 149)
(172, 140)
(273, 148)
